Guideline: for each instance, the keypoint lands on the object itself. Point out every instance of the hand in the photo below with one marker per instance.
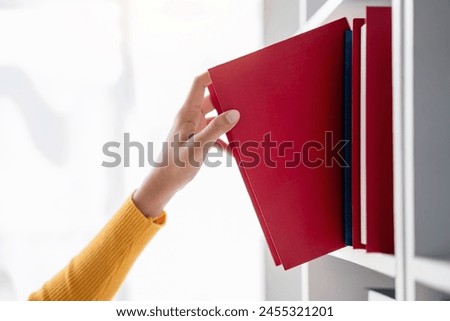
(190, 138)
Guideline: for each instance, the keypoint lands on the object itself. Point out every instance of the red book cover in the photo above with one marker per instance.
(379, 150)
(355, 141)
(288, 139)
(262, 221)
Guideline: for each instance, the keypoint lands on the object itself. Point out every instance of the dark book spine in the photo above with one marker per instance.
(347, 136)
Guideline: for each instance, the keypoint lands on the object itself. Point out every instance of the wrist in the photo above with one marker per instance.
(152, 196)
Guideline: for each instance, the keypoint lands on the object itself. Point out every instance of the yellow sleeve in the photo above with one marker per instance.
(99, 270)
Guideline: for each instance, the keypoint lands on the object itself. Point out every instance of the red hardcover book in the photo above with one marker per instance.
(379, 150)
(287, 142)
(356, 105)
(262, 221)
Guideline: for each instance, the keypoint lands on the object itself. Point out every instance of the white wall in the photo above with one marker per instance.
(76, 74)
(431, 128)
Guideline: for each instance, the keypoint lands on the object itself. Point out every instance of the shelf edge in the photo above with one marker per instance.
(434, 273)
(378, 262)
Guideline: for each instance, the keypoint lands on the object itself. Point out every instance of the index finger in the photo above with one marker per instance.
(197, 93)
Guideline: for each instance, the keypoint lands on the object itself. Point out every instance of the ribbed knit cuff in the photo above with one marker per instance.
(130, 209)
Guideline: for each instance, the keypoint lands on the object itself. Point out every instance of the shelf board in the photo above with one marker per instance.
(379, 262)
(336, 9)
(434, 273)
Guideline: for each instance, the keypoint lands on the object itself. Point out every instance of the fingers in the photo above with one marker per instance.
(207, 105)
(186, 122)
(197, 93)
(218, 126)
(223, 146)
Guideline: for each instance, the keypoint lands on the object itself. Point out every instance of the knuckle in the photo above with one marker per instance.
(189, 124)
(200, 80)
(197, 80)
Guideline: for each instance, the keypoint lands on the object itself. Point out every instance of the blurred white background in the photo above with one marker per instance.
(76, 74)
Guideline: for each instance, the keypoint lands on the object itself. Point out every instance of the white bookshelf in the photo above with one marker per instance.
(335, 9)
(432, 272)
(378, 262)
(420, 268)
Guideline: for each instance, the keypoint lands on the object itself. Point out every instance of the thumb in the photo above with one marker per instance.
(218, 126)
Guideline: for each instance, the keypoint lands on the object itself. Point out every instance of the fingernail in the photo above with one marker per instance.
(232, 116)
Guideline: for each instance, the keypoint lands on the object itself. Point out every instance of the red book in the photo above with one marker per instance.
(290, 96)
(356, 105)
(379, 150)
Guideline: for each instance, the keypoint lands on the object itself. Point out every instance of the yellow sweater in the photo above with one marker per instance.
(99, 270)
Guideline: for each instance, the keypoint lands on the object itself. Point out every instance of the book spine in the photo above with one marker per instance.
(347, 137)
(379, 160)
